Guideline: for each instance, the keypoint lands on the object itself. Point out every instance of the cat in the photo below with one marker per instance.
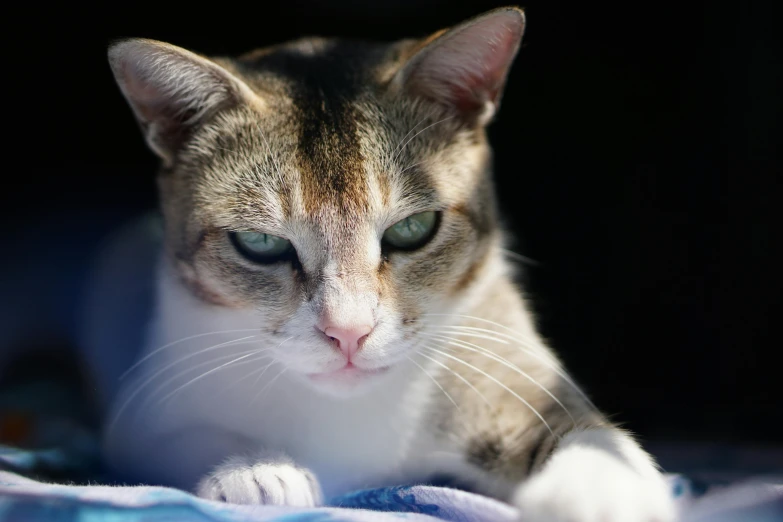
(333, 307)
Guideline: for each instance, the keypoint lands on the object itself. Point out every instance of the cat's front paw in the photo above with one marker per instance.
(271, 480)
(593, 487)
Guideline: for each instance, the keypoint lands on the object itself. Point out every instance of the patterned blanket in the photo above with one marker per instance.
(50, 471)
(24, 499)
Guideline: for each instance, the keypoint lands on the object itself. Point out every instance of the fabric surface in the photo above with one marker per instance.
(76, 459)
(23, 499)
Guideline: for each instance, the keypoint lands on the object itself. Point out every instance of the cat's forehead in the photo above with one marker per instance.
(325, 142)
(322, 166)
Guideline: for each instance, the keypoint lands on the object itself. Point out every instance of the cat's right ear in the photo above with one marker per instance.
(171, 90)
(465, 68)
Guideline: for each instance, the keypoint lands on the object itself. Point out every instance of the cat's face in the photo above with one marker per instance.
(338, 190)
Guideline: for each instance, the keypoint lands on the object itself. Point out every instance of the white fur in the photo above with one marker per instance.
(347, 441)
(263, 478)
(596, 476)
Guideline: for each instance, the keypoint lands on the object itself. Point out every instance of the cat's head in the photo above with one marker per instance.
(340, 190)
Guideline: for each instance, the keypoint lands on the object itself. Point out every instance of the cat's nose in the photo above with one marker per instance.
(350, 339)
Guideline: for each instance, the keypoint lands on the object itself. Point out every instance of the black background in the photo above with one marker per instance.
(637, 158)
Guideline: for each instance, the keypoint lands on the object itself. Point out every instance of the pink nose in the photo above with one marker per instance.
(349, 340)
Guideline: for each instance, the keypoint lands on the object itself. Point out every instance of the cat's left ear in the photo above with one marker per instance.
(465, 68)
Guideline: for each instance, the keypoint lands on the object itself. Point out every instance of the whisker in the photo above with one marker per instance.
(271, 156)
(519, 257)
(250, 374)
(516, 335)
(505, 362)
(210, 362)
(412, 137)
(461, 331)
(461, 415)
(533, 350)
(433, 379)
(262, 370)
(255, 383)
(151, 378)
(409, 167)
(406, 135)
(210, 372)
(456, 374)
(485, 374)
(548, 361)
(267, 385)
(146, 357)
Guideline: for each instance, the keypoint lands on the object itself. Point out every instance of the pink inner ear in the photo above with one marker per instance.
(485, 82)
(147, 97)
(468, 69)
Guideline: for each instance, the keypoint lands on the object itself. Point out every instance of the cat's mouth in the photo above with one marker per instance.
(347, 372)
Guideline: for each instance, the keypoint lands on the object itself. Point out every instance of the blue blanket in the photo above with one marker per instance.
(23, 499)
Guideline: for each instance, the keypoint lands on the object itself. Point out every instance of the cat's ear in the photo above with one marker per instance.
(465, 67)
(171, 90)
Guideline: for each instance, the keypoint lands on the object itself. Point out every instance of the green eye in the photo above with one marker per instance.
(260, 247)
(412, 232)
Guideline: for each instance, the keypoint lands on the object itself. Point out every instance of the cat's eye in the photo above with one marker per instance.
(412, 232)
(261, 248)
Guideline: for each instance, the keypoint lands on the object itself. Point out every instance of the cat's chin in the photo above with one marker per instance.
(346, 382)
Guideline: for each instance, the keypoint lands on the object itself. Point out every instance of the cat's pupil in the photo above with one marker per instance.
(264, 238)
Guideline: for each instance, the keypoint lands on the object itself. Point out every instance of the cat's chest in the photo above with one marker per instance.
(347, 443)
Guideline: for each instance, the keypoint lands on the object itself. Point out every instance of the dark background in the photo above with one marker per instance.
(637, 158)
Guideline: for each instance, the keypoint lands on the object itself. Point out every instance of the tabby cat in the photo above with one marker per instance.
(333, 307)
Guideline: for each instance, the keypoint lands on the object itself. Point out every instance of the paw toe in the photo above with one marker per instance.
(262, 483)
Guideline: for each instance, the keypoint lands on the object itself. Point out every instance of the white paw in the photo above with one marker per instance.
(591, 485)
(264, 480)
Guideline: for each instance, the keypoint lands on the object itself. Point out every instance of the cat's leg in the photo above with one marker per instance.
(215, 464)
(594, 475)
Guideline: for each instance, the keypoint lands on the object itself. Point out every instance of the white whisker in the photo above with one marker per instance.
(210, 362)
(409, 167)
(255, 383)
(271, 156)
(210, 372)
(505, 362)
(146, 357)
(151, 378)
(552, 364)
(412, 137)
(456, 374)
(544, 357)
(250, 374)
(433, 379)
(488, 376)
(519, 257)
(267, 385)
(390, 156)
